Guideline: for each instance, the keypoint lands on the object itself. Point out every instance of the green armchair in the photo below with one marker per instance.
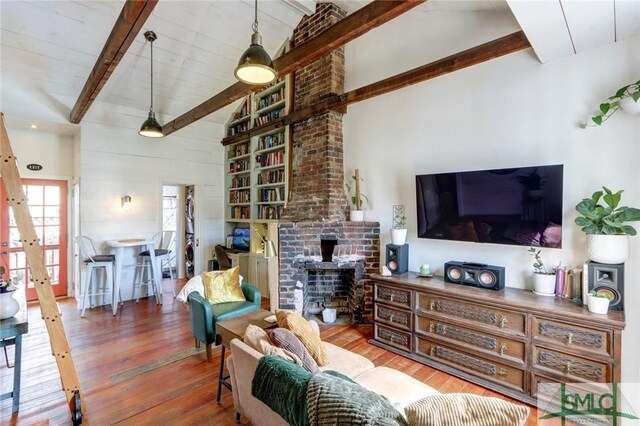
(204, 315)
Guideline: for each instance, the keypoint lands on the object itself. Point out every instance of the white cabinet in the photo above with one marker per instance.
(241, 260)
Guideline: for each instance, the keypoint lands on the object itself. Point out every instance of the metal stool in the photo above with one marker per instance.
(93, 261)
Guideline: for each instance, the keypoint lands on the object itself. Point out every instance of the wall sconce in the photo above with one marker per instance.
(126, 203)
(269, 246)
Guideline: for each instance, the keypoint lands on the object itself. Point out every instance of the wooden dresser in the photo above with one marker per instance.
(505, 340)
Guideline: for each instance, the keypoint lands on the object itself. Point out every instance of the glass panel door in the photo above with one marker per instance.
(48, 207)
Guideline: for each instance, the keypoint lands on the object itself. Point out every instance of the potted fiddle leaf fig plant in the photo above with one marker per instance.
(626, 98)
(356, 198)
(544, 281)
(607, 226)
(399, 229)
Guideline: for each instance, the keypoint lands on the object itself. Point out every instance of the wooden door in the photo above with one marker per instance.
(48, 207)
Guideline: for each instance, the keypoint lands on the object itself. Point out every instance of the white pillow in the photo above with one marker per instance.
(194, 284)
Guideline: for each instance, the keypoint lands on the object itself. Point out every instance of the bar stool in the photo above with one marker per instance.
(93, 260)
(144, 270)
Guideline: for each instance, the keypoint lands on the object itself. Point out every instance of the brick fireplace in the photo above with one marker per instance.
(335, 274)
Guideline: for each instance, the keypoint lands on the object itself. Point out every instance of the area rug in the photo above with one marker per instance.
(159, 363)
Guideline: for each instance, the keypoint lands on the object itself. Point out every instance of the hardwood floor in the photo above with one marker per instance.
(127, 377)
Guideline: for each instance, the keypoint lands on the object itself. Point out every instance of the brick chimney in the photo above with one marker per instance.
(312, 278)
(317, 189)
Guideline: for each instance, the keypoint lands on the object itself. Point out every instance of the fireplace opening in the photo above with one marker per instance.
(329, 288)
(327, 243)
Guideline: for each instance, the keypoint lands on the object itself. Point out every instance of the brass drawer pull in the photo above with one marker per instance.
(570, 339)
(503, 348)
(503, 321)
(391, 317)
(432, 305)
(503, 372)
(432, 351)
(569, 367)
(391, 297)
(432, 327)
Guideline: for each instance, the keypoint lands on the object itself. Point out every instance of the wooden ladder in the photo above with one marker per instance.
(60, 347)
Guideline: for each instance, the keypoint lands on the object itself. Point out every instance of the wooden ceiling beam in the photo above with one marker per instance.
(473, 56)
(365, 19)
(131, 19)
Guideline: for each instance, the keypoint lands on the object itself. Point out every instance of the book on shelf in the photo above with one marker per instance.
(239, 166)
(240, 182)
(270, 141)
(240, 212)
(271, 176)
(239, 196)
(239, 149)
(270, 159)
(269, 117)
(271, 98)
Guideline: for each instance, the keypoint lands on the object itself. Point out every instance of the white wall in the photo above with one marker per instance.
(512, 111)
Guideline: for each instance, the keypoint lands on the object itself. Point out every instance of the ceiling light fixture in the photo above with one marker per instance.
(34, 126)
(255, 65)
(151, 128)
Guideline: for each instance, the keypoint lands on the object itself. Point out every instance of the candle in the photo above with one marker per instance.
(425, 269)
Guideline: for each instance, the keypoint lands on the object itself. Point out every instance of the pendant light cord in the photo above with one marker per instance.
(255, 18)
(151, 107)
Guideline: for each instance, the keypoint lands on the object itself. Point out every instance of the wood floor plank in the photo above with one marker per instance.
(111, 353)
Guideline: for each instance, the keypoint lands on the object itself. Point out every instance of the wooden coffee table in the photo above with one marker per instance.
(234, 328)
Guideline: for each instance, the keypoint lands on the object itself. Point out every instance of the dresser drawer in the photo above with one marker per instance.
(499, 319)
(466, 361)
(392, 316)
(393, 337)
(510, 349)
(571, 336)
(393, 296)
(571, 367)
(536, 379)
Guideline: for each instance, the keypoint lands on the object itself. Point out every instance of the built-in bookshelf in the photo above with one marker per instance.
(256, 174)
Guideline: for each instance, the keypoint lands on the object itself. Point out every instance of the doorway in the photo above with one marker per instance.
(170, 222)
(48, 208)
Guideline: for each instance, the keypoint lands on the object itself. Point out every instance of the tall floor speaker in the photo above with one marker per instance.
(397, 259)
(604, 278)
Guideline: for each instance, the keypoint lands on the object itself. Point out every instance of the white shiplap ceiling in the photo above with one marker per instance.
(54, 44)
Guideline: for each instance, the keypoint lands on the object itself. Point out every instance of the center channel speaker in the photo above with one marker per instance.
(474, 274)
(397, 258)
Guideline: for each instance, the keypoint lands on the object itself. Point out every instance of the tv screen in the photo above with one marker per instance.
(241, 239)
(520, 206)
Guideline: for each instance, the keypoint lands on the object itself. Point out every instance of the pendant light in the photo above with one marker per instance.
(255, 65)
(151, 128)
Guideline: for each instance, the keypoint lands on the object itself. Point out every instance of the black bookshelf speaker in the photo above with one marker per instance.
(397, 259)
(474, 274)
(607, 279)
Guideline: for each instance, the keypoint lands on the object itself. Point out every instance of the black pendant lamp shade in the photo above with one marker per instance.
(255, 65)
(151, 128)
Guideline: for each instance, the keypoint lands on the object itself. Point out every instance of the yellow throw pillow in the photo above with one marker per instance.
(223, 286)
(303, 331)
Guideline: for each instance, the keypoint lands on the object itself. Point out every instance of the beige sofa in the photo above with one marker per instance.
(398, 387)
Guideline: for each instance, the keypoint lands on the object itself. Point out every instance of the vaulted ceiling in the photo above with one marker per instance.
(54, 44)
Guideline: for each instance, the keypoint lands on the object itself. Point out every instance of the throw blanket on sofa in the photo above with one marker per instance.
(328, 398)
(282, 386)
(334, 401)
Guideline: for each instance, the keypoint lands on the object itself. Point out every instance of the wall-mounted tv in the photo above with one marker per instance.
(520, 206)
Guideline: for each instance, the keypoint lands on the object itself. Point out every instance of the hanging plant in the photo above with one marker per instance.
(612, 104)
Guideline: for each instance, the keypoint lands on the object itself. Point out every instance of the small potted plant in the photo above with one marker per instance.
(598, 303)
(8, 305)
(544, 282)
(356, 198)
(399, 229)
(626, 98)
(605, 226)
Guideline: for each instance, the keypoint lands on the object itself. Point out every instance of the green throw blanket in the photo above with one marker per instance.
(329, 398)
(282, 386)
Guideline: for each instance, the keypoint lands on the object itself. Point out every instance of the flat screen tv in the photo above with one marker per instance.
(520, 206)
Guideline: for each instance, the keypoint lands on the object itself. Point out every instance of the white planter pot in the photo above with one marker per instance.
(544, 284)
(597, 305)
(356, 216)
(629, 106)
(608, 248)
(8, 305)
(398, 236)
(329, 315)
